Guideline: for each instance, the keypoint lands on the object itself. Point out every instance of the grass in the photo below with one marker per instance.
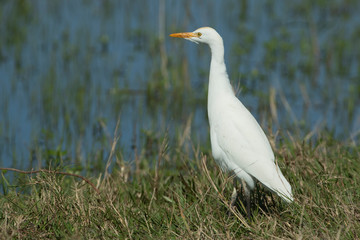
(181, 197)
(173, 189)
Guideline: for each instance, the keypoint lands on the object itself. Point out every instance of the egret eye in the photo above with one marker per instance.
(199, 34)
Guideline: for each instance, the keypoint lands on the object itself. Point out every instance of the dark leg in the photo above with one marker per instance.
(234, 197)
(248, 202)
(248, 198)
(234, 194)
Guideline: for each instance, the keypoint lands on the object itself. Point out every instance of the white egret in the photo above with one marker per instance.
(238, 143)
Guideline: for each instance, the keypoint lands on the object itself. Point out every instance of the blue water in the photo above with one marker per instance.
(82, 65)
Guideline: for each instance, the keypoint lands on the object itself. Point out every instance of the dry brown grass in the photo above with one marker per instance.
(187, 198)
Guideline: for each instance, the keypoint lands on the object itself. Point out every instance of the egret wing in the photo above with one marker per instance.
(236, 125)
(247, 148)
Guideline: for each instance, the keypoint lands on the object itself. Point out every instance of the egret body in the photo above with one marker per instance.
(238, 143)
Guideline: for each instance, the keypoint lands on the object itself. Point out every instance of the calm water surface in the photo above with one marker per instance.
(70, 69)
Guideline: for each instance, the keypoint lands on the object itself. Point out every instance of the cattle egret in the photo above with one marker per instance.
(238, 143)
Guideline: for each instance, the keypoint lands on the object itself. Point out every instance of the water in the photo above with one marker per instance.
(70, 69)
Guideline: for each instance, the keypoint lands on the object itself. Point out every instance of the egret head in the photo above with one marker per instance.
(206, 35)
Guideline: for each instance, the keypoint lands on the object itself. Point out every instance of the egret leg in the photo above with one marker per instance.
(234, 194)
(248, 198)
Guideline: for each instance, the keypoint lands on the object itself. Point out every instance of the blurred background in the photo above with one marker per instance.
(71, 70)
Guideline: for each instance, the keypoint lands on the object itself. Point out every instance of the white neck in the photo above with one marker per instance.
(219, 84)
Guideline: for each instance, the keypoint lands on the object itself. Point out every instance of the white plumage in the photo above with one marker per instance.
(238, 143)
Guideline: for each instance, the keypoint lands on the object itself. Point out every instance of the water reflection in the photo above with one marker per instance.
(70, 69)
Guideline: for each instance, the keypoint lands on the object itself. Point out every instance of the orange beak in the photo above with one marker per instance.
(183, 35)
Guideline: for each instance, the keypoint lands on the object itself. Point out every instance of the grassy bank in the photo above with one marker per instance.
(181, 197)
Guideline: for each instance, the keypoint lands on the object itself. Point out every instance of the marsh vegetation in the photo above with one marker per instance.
(96, 88)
